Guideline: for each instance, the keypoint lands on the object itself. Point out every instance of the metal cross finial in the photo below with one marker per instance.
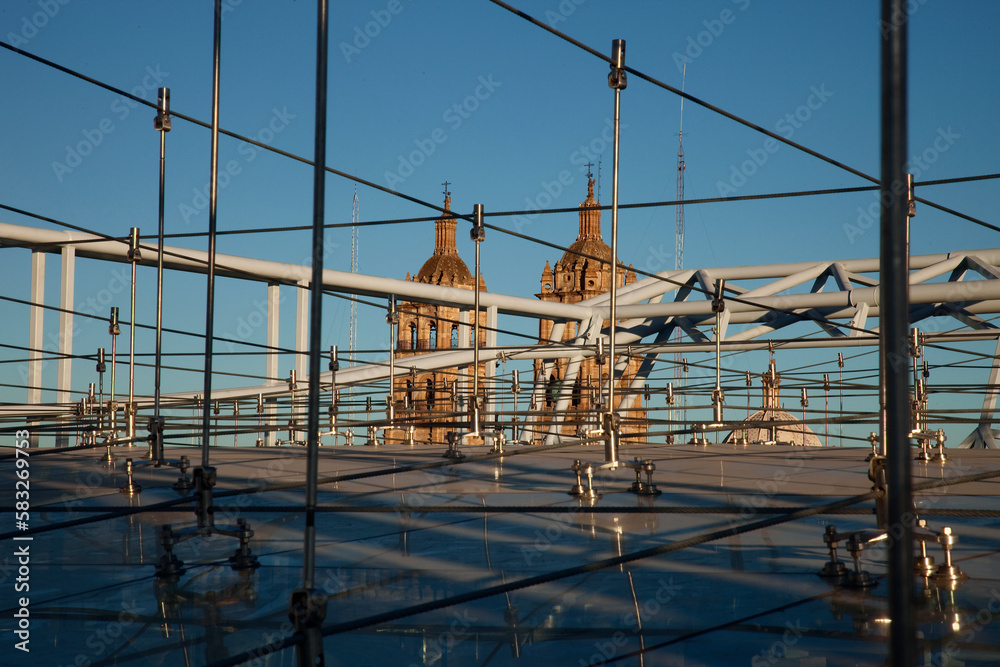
(589, 165)
(447, 193)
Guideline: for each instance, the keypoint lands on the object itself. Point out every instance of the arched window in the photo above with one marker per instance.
(454, 336)
(433, 336)
(430, 394)
(409, 394)
(413, 336)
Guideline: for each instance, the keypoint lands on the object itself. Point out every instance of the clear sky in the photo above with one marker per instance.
(422, 92)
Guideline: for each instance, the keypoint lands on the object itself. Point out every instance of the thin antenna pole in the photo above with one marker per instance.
(599, 180)
(683, 79)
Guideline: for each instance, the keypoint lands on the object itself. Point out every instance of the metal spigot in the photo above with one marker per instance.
(947, 570)
(940, 455)
(183, 483)
(131, 488)
(858, 578)
(170, 566)
(923, 564)
(834, 568)
(580, 491)
(244, 559)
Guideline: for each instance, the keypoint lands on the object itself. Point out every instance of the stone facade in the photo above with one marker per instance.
(584, 272)
(430, 399)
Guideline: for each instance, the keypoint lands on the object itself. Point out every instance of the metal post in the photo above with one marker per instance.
(206, 405)
(477, 234)
(114, 329)
(162, 125)
(718, 307)
(308, 606)
(617, 80)
(894, 328)
(134, 257)
(315, 329)
(101, 369)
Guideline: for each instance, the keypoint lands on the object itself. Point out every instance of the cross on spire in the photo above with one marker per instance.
(589, 165)
(447, 194)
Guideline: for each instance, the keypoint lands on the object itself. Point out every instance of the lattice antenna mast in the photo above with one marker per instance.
(679, 234)
(354, 269)
(598, 180)
(679, 243)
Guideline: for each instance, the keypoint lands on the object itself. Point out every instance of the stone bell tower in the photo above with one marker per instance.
(429, 399)
(583, 272)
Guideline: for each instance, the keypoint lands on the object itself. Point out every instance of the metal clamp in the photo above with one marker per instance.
(617, 78)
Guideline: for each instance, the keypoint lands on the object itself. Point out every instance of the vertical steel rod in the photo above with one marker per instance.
(477, 236)
(159, 285)
(316, 310)
(894, 329)
(163, 125)
(113, 407)
(206, 418)
(618, 83)
(392, 319)
(475, 349)
(308, 605)
(130, 410)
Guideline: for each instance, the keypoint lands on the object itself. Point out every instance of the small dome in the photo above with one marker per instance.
(584, 249)
(759, 425)
(444, 268)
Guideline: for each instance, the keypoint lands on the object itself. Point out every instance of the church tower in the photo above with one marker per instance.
(430, 399)
(583, 272)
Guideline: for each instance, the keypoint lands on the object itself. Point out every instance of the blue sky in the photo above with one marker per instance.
(529, 107)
